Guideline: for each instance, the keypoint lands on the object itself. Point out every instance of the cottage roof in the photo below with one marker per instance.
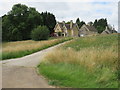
(61, 24)
(109, 31)
(89, 27)
(67, 26)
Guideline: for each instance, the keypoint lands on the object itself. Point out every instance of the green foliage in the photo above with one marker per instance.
(40, 33)
(49, 20)
(21, 20)
(79, 23)
(100, 25)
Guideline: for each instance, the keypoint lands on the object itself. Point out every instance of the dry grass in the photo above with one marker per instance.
(25, 45)
(89, 57)
(84, 62)
(21, 48)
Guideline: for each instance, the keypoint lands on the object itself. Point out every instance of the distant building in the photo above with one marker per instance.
(109, 31)
(88, 29)
(63, 29)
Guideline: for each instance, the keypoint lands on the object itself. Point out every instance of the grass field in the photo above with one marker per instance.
(88, 62)
(22, 48)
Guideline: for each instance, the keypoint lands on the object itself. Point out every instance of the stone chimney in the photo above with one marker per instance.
(71, 24)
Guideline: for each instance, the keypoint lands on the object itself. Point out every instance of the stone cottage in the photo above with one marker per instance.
(88, 29)
(63, 29)
(109, 31)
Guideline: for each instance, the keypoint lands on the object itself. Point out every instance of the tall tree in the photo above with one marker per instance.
(21, 20)
(100, 24)
(95, 23)
(82, 23)
(15, 22)
(79, 23)
(49, 20)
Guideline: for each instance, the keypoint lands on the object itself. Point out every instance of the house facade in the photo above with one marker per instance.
(63, 29)
(88, 29)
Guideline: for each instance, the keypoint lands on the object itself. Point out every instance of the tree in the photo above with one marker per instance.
(6, 28)
(100, 24)
(95, 23)
(16, 35)
(100, 29)
(14, 23)
(33, 20)
(49, 20)
(18, 23)
(21, 20)
(40, 33)
(79, 23)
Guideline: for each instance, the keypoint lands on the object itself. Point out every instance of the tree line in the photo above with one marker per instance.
(18, 23)
(99, 24)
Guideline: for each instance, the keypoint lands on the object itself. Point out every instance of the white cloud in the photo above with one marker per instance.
(87, 10)
(59, 0)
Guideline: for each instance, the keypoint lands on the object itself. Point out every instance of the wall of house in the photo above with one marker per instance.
(69, 32)
(75, 31)
(58, 29)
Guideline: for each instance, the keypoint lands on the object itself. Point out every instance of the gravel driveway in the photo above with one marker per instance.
(21, 72)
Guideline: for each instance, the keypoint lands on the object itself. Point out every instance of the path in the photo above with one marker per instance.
(21, 72)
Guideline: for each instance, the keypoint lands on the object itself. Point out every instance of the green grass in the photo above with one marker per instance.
(75, 76)
(23, 48)
(103, 41)
(64, 68)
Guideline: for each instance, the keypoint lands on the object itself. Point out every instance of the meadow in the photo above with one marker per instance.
(22, 48)
(87, 62)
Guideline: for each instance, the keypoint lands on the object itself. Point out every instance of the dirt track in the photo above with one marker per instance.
(22, 73)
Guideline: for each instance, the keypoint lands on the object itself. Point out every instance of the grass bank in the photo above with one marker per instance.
(22, 48)
(89, 62)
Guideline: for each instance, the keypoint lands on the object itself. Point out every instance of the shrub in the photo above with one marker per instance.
(40, 33)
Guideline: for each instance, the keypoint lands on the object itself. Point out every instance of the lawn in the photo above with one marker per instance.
(22, 48)
(87, 62)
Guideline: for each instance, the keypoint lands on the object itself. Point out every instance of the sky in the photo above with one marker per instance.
(66, 10)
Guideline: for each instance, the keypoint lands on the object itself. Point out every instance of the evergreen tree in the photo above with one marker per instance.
(49, 20)
(79, 23)
(95, 23)
(100, 24)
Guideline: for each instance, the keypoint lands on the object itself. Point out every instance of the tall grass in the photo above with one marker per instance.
(22, 48)
(83, 62)
(90, 58)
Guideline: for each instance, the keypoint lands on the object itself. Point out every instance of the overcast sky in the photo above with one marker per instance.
(86, 10)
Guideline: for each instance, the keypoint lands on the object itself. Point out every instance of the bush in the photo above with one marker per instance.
(40, 33)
